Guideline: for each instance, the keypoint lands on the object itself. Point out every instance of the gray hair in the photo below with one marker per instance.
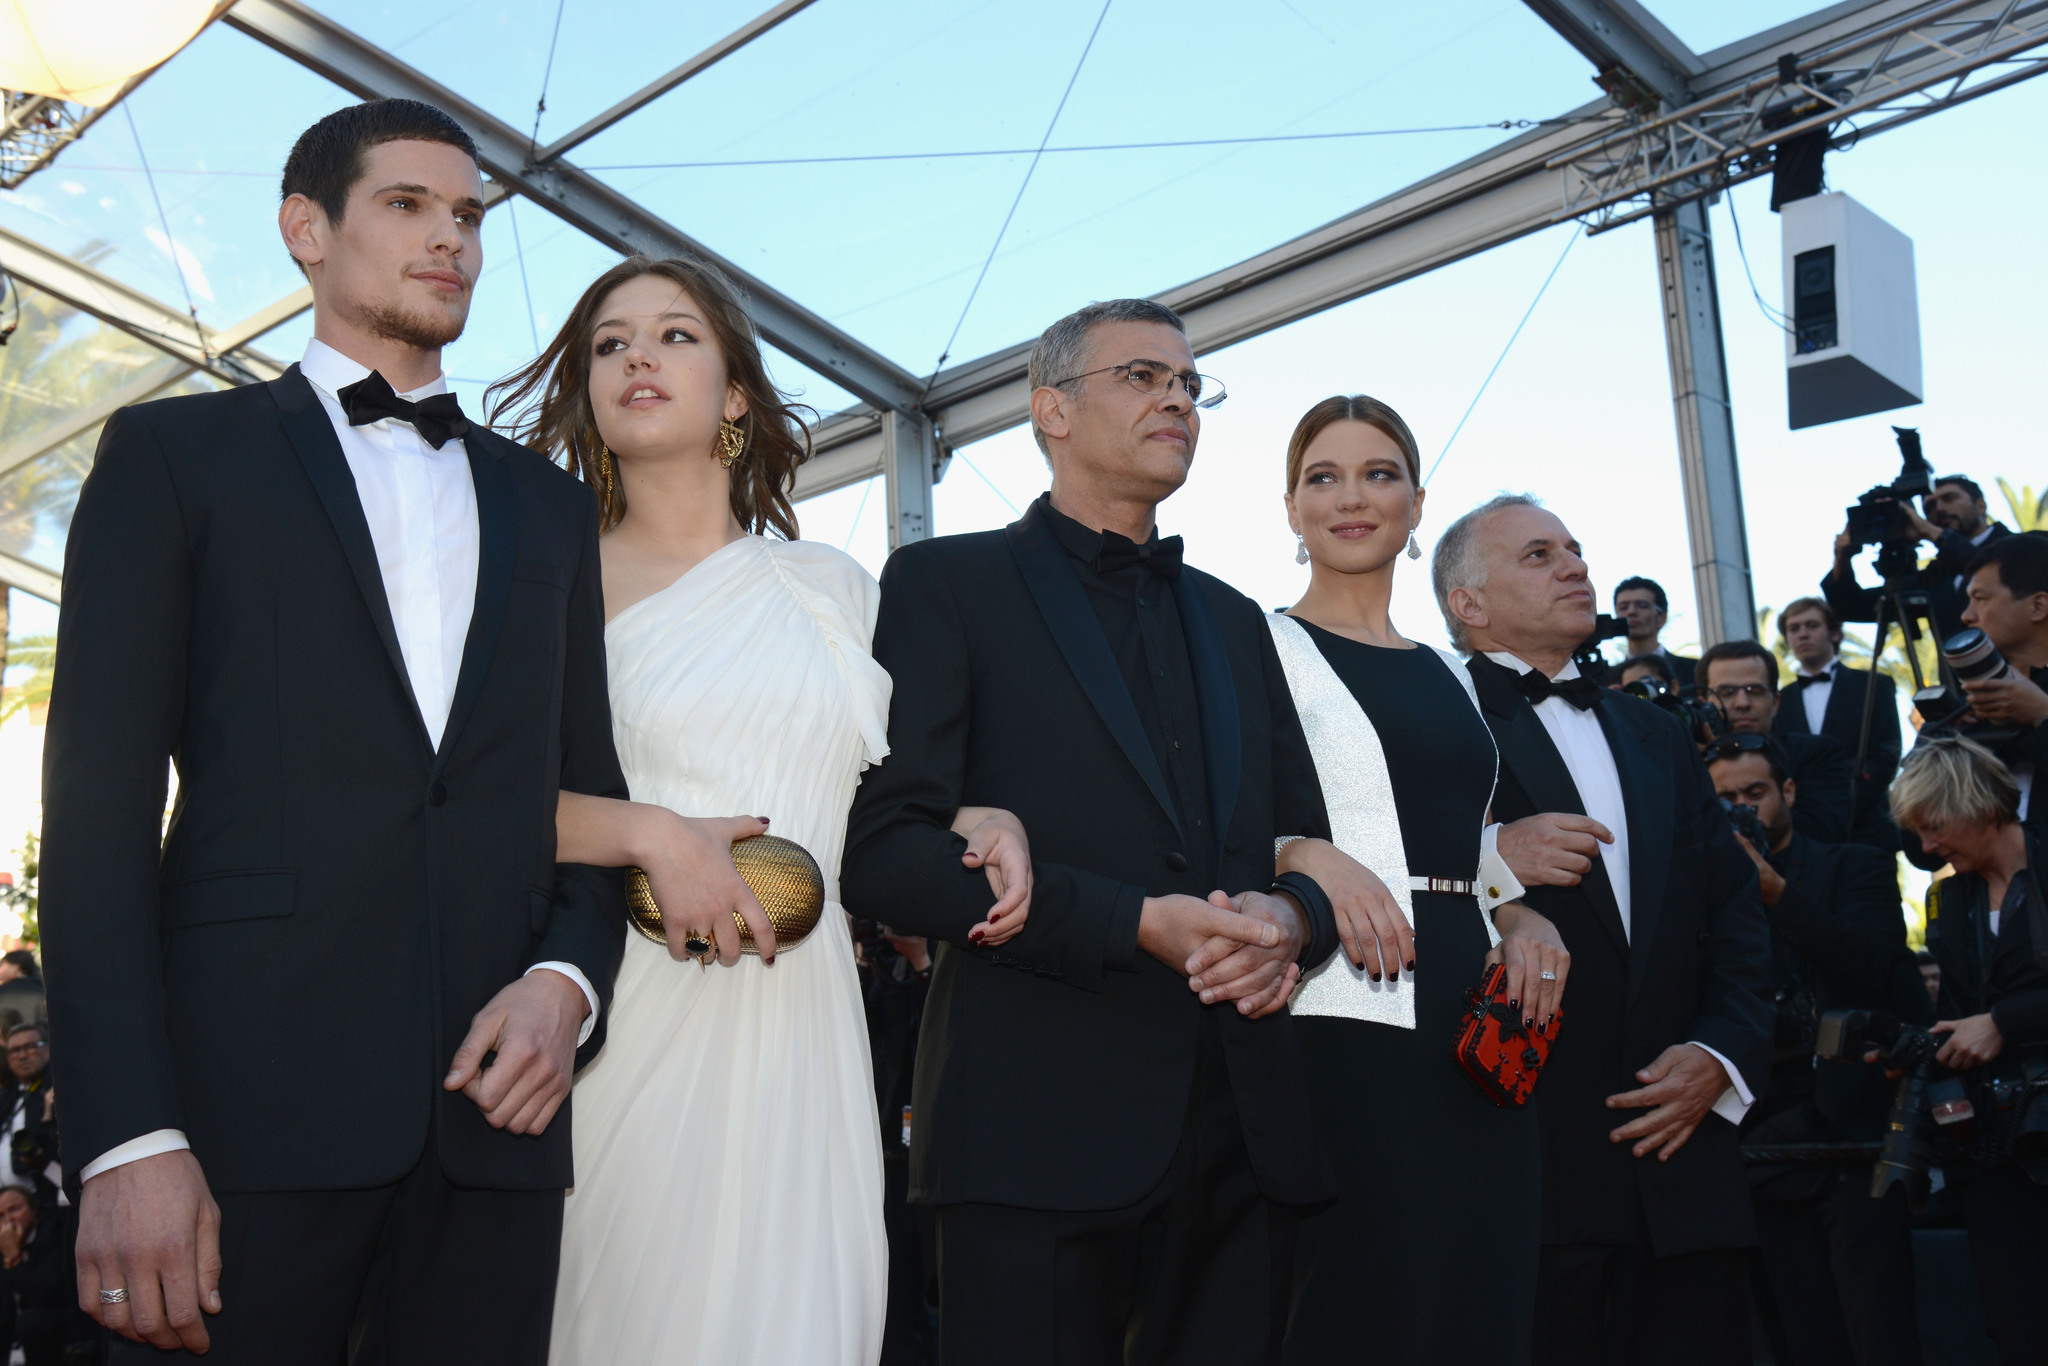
(1948, 781)
(1063, 351)
(1460, 563)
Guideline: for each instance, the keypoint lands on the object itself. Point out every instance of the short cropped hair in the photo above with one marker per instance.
(1729, 748)
(2021, 561)
(1968, 486)
(1064, 351)
(1739, 649)
(28, 1027)
(1820, 605)
(1656, 664)
(25, 959)
(1950, 780)
(327, 160)
(1459, 562)
(1651, 586)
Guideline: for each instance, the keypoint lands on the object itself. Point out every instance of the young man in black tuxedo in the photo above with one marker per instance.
(1611, 824)
(1827, 698)
(1641, 603)
(318, 1037)
(1742, 678)
(1839, 1264)
(1115, 1135)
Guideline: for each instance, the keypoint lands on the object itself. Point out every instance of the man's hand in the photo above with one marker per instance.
(531, 1025)
(150, 1227)
(1555, 849)
(1175, 928)
(1259, 977)
(1770, 881)
(1924, 529)
(1845, 548)
(2009, 701)
(690, 871)
(1376, 935)
(1972, 1041)
(1529, 947)
(1682, 1086)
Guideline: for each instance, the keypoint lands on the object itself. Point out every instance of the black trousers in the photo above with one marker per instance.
(420, 1273)
(1195, 1274)
(2008, 1219)
(1604, 1305)
(1840, 1269)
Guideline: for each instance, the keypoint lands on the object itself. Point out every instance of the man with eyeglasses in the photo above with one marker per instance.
(27, 1101)
(1742, 678)
(1839, 1264)
(1642, 604)
(1115, 1136)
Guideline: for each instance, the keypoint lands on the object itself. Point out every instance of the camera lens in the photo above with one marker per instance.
(1972, 656)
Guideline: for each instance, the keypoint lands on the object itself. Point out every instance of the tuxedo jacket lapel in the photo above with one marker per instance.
(497, 537)
(1527, 751)
(1792, 709)
(1049, 575)
(1216, 696)
(1649, 806)
(312, 437)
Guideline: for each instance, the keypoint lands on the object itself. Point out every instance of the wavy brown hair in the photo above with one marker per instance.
(1351, 408)
(547, 403)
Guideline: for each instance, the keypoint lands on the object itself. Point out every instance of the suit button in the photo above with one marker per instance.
(1178, 862)
(437, 794)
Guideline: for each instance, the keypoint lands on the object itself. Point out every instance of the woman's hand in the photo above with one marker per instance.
(1377, 936)
(688, 862)
(1972, 1041)
(1530, 946)
(997, 844)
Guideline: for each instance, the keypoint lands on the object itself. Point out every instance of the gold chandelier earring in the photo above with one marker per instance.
(732, 443)
(604, 467)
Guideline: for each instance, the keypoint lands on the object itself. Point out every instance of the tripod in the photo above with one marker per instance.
(1903, 603)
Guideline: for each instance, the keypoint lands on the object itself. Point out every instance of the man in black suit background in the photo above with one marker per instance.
(1116, 1138)
(1643, 605)
(1828, 698)
(1741, 677)
(1839, 1264)
(1612, 825)
(1957, 525)
(318, 1037)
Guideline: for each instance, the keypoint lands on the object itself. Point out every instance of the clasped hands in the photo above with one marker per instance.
(1230, 948)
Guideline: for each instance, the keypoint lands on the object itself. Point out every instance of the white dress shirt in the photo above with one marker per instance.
(1583, 746)
(421, 506)
(1813, 693)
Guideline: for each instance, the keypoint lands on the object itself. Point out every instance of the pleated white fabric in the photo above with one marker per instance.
(728, 1199)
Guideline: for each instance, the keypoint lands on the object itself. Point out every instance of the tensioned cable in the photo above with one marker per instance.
(1776, 316)
(541, 106)
(170, 242)
(1571, 242)
(519, 252)
(946, 351)
(1496, 125)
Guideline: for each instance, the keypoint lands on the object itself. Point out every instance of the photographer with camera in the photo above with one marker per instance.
(1829, 698)
(29, 1106)
(1956, 523)
(1741, 677)
(1840, 1264)
(1988, 928)
(1642, 604)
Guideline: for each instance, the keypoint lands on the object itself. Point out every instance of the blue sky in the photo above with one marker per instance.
(1579, 413)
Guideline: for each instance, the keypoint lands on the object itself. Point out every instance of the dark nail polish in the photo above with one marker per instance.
(1375, 977)
(1411, 965)
(1514, 1005)
(1528, 1020)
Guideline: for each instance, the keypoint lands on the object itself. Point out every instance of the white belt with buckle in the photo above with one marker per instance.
(1455, 886)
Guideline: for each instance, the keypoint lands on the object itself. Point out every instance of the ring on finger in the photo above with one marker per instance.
(118, 1295)
(1548, 976)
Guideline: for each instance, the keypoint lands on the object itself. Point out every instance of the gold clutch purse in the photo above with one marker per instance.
(784, 878)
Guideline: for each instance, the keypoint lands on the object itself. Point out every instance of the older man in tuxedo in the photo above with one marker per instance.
(1612, 824)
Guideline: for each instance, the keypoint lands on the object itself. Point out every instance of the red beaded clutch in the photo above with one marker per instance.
(1503, 1057)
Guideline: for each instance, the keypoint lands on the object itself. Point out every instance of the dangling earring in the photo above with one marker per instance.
(732, 443)
(604, 465)
(1414, 550)
(1301, 550)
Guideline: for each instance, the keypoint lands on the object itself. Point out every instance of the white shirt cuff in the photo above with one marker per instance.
(1736, 1100)
(134, 1150)
(1497, 882)
(574, 974)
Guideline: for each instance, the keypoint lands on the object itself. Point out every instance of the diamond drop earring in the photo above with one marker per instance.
(1414, 550)
(1301, 550)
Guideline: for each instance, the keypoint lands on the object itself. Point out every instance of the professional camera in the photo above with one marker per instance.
(1748, 824)
(1877, 519)
(1702, 720)
(30, 1152)
(1923, 1096)
(2022, 1108)
(1588, 657)
(1970, 657)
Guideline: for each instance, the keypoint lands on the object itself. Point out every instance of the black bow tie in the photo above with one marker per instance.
(1162, 557)
(437, 419)
(1581, 692)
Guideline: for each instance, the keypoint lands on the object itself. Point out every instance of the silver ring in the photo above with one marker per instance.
(113, 1297)
(1548, 976)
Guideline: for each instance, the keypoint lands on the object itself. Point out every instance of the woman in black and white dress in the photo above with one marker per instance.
(1430, 1255)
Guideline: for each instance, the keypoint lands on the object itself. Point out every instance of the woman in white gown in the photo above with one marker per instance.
(728, 1198)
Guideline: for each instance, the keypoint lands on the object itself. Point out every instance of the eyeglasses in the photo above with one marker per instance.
(1153, 378)
(1729, 746)
(1728, 692)
(15, 1048)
